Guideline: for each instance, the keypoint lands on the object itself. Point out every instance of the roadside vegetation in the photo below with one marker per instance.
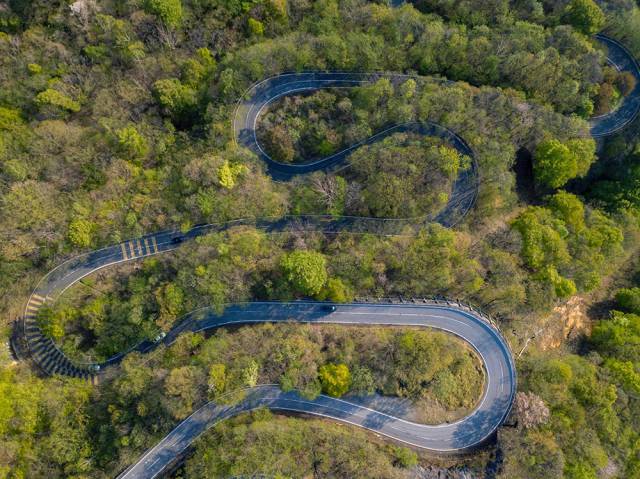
(115, 121)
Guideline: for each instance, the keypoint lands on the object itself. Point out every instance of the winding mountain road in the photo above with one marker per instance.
(500, 384)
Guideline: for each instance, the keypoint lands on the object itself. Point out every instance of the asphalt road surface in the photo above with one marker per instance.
(500, 379)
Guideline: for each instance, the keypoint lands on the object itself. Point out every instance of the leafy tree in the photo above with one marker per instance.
(362, 380)
(542, 238)
(585, 15)
(170, 298)
(53, 322)
(256, 28)
(250, 374)
(629, 299)
(217, 379)
(554, 164)
(176, 99)
(81, 232)
(182, 385)
(131, 144)
(306, 271)
(51, 97)
(625, 373)
(563, 287)
(336, 291)
(198, 70)
(335, 379)
(405, 457)
(10, 119)
(569, 208)
(168, 11)
(228, 174)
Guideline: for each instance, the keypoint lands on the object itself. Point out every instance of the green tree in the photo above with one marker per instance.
(336, 291)
(131, 144)
(170, 298)
(306, 271)
(554, 164)
(563, 287)
(569, 208)
(81, 232)
(543, 238)
(51, 97)
(182, 385)
(362, 380)
(335, 379)
(629, 299)
(228, 174)
(168, 11)
(585, 15)
(256, 28)
(217, 379)
(176, 99)
(405, 457)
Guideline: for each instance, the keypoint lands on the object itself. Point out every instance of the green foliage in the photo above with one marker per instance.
(625, 374)
(171, 302)
(228, 174)
(585, 15)
(256, 28)
(629, 299)
(34, 68)
(81, 232)
(279, 447)
(556, 162)
(542, 238)
(306, 271)
(562, 287)
(569, 208)
(131, 144)
(176, 99)
(197, 71)
(217, 379)
(9, 119)
(168, 11)
(362, 381)
(335, 379)
(336, 291)
(55, 98)
(405, 457)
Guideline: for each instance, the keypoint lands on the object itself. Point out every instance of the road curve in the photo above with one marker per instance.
(622, 60)
(499, 390)
(469, 325)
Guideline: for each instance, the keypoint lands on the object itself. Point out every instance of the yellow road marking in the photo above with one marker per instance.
(124, 251)
(36, 298)
(155, 245)
(146, 244)
(139, 245)
(133, 251)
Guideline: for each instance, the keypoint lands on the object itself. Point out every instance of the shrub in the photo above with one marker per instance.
(168, 11)
(306, 271)
(629, 300)
(55, 98)
(335, 379)
(80, 232)
(131, 143)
